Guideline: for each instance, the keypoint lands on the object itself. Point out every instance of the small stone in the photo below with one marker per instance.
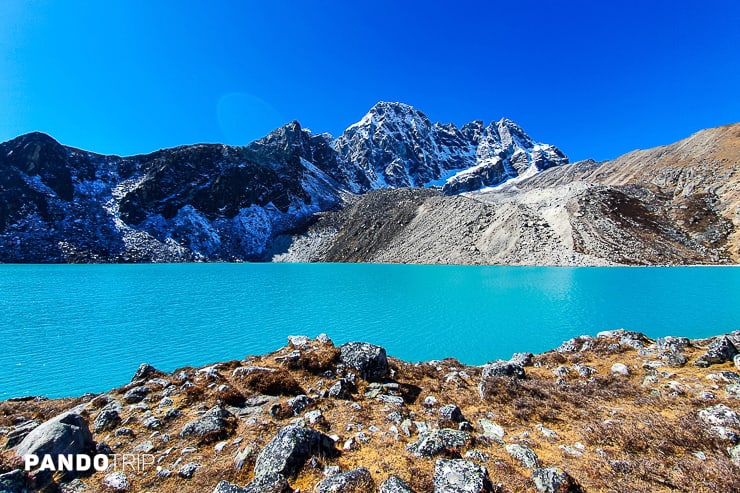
(394, 484)
(145, 447)
(492, 430)
(451, 413)
(355, 481)
(523, 454)
(554, 480)
(547, 432)
(188, 470)
(137, 394)
(620, 369)
(298, 341)
(116, 481)
(430, 401)
(145, 371)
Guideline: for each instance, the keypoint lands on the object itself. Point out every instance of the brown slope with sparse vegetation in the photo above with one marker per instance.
(637, 427)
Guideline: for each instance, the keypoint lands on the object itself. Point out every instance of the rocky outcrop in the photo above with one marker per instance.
(368, 359)
(570, 425)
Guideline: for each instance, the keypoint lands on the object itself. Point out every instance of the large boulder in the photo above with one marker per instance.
(438, 442)
(355, 481)
(460, 476)
(214, 424)
(370, 360)
(287, 452)
(67, 433)
(720, 350)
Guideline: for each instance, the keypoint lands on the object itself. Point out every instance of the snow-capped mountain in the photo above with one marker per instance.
(218, 202)
(396, 145)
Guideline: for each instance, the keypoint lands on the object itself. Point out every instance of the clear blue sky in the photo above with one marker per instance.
(597, 78)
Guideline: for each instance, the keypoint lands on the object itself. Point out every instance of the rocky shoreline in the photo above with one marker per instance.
(614, 412)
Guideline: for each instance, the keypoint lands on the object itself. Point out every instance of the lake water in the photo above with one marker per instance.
(70, 329)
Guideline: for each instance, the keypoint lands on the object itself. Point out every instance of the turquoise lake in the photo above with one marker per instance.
(70, 329)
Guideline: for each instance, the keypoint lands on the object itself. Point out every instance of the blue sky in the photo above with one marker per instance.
(597, 78)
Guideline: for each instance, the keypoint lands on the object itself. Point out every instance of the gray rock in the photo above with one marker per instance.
(355, 481)
(620, 369)
(523, 454)
(492, 430)
(396, 400)
(188, 470)
(735, 455)
(460, 476)
(298, 341)
(124, 432)
(500, 369)
(719, 415)
(342, 389)
(67, 433)
(268, 483)
(729, 376)
(116, 481)
(108, 417)
(547, 432)
(430, 401)
(145, 447)
(137, 394)
(522, 359)
(290, 448)
(561, 371)
(13, 482)
(20, 432)
(554, 480)
(438, 442)
(736, 361)
(299, 403)
(145, 371)
(394, 484)
(226, 487)
(672, 344)
(585, 371)
(215, 422)
(451, 413)
(722, 421)
(733, 391)
(370, 360)
(151, 422)
(720, 350)
(674, 359)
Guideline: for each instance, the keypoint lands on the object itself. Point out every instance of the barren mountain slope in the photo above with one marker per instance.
(676, 204)
(698, 178)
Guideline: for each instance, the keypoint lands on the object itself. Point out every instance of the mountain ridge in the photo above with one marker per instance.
(212, 201)
(481, 194)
